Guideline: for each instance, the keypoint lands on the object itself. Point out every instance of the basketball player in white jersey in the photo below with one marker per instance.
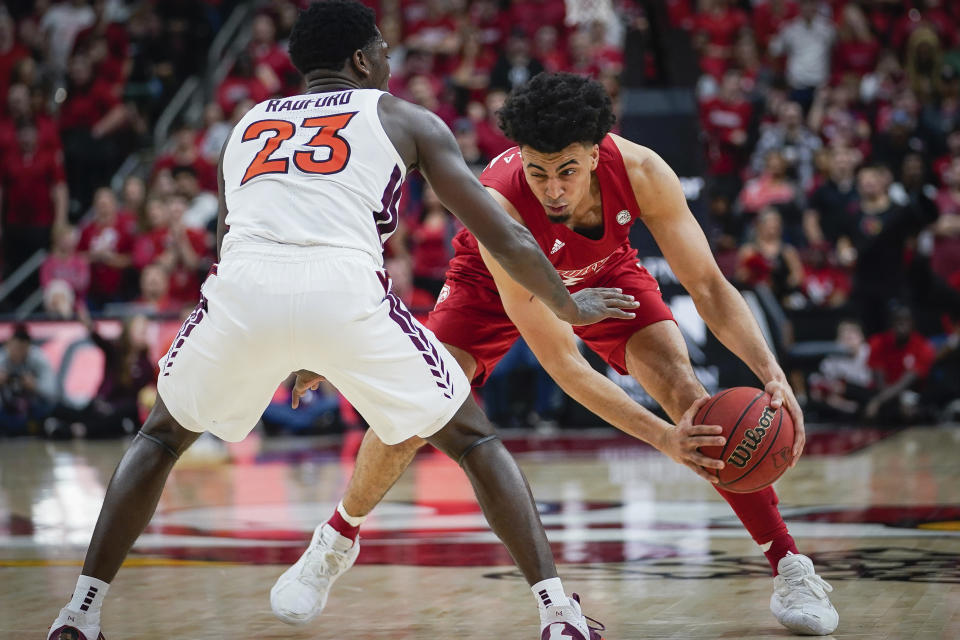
(308, 192)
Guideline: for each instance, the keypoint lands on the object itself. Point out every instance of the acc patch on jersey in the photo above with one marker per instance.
(623, 217)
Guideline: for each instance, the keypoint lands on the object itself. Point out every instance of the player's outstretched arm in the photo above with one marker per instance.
(552, 342)
(436, 154)
(680, 238)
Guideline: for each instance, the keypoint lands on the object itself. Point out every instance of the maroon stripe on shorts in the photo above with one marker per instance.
(387, 218)
(400, 315)
(187, 327)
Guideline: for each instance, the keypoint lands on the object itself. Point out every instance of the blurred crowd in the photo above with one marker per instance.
(831, 145)
(832, 134)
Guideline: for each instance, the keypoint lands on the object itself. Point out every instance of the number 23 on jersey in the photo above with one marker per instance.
(282, 130)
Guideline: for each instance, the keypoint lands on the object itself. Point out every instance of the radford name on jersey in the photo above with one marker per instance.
(326, 174)
(579, 260)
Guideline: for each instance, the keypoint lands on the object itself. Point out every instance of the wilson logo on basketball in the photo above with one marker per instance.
(751, 440)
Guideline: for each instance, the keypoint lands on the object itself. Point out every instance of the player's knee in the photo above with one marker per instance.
(162, 429)
(464, 432)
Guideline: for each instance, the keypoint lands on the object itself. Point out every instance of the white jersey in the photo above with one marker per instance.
(313, 170)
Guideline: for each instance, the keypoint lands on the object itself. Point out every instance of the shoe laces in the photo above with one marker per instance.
(596, 627)
(322, 561)
(800, 575)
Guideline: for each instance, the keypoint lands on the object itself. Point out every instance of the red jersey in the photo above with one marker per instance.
(26, 182)
(86, 106)
(893, 360)
(106, 282)
(579, 260)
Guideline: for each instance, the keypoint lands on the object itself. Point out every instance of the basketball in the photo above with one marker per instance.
(759, 444)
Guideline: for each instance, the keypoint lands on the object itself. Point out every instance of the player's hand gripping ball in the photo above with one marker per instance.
(759, 446)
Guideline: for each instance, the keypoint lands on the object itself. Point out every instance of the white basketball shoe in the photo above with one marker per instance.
(568, 623)
(300, 594)
(799, 600)
(74, 625)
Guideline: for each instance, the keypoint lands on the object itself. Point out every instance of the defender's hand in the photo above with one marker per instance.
(306, 381)
(680, 443)
(594, 305)
(782, 395)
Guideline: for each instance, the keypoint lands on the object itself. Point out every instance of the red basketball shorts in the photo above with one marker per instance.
(470, 316)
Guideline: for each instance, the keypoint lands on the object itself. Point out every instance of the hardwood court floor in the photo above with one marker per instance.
(654, 552)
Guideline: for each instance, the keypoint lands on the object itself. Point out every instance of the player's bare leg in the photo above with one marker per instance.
(379, 466)
(130, 502)
(301, 592)
(508, 505)
(501, 489)
(657, 358)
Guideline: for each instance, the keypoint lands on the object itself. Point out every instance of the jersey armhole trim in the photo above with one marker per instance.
(385, 139)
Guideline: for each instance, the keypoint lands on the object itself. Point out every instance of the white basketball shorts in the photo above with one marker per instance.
(266, 312)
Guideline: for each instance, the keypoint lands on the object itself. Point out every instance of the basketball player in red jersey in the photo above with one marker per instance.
(578, 189)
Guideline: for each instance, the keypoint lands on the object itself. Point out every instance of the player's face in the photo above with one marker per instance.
(561, 181)
(378, 64)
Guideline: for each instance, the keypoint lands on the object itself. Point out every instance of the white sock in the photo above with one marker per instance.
(353, 521)
(549, 593)
(88, 596)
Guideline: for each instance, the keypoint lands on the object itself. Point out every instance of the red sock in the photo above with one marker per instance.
(343, 527)
(759, 514)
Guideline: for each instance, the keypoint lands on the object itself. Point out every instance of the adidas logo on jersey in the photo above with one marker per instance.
(557, 245)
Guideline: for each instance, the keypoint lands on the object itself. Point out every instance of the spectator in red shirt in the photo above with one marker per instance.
(772, 187)
(436, 31)
(834, 115)
(490, 138)
(89, 117)
(726, 120)
(91, 103)
(154, 291)
(857, 48)
(33, 197)
(133, 195)
(942, 164)
(529, 15)
(10, 51)
(768, 260)
(245, 82)
(182, 251)
(715, 31)
(65, 264)
(491, 23)
(108, 45)
(472, 73)
(945, 260)
(151, 242)
(106, 243)
(825, 285)
(901, 360)
(431, 244)
(265, 51)
(547, 49)
(928, 14)
(580, 55)
(608, 58)
(422, 90)
(185, 153)
(769, 17)
(20, 111)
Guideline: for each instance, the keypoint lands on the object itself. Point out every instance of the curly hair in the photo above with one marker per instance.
(327, 33)
(554, 110)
